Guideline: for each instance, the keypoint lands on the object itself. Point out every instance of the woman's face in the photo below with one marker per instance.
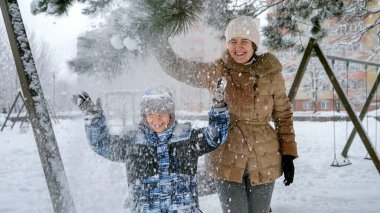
(240, 49)
(158, 122)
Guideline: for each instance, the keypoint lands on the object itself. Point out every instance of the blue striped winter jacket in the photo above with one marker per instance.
(161, 167)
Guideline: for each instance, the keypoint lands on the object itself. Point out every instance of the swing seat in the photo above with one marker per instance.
(367, 157)
(335, 163)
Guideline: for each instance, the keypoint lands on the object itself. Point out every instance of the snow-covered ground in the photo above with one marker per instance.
(98, 185)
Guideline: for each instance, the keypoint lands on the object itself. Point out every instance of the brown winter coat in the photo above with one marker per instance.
(255, 95)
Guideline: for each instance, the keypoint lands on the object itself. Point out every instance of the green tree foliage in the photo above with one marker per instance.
(283, 27)
(52, 7)
(143, 20)
(176, 16)
(169, 17)
(159, 16)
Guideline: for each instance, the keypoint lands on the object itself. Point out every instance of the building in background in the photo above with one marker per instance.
(202, 44)
(316, 92)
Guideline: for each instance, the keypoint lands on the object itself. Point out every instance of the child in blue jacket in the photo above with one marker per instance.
(161, 155)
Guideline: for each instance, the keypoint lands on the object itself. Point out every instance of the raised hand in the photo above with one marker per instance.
(86, 105)
(218, 98)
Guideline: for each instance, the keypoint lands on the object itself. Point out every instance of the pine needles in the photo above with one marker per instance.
(169, 17)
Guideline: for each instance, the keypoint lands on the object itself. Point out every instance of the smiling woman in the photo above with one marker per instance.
(255, 154)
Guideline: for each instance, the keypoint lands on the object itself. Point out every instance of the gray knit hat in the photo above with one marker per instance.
(245, 27)
(157, 99)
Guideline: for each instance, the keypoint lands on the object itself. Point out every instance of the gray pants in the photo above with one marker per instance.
(243, 197)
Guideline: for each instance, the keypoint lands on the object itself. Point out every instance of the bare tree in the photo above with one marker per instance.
(313, 84)
(46, 62)
(9, 83)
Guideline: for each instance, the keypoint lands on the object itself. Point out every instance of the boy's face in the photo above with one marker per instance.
(158, 122)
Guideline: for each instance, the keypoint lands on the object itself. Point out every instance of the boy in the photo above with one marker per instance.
(161, 155)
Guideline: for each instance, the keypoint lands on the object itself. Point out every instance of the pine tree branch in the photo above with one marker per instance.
(51, 7)
(374, 10)
(95, 6)
(370, 27)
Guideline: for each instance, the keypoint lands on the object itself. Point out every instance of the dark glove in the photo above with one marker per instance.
(288, 168)
(86, 105)
(219, 93)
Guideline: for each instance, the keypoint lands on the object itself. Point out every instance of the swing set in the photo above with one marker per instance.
(36, 105)
(358, 127)
(23, 118)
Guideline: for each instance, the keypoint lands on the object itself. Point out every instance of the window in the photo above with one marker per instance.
(290, 70)
(338, 106)
(325, 104)
(354, 67)
(326, 86)
(342, 29)
(356, 84)
(306, 86)
(307, 105)
(356, 46)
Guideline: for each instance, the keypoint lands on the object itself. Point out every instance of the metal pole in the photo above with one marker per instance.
(355, 120)
(362, 114)
(10, 111)
(18, 115)
(50, 157)
(54, 114)
(351, 60)
(301, 70)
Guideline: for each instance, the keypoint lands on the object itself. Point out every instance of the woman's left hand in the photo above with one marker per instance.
(288, 168)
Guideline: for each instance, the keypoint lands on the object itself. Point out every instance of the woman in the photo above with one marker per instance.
(161, 155)
(255, 154)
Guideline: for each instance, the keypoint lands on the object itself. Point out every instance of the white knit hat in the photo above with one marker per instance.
(245, 27)
(157, 99)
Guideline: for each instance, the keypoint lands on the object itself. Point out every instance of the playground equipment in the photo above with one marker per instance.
(26, 116)
(358, 127)
(37, 108)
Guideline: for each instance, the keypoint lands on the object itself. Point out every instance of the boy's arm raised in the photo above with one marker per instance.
(101, 142)
(215, 134)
